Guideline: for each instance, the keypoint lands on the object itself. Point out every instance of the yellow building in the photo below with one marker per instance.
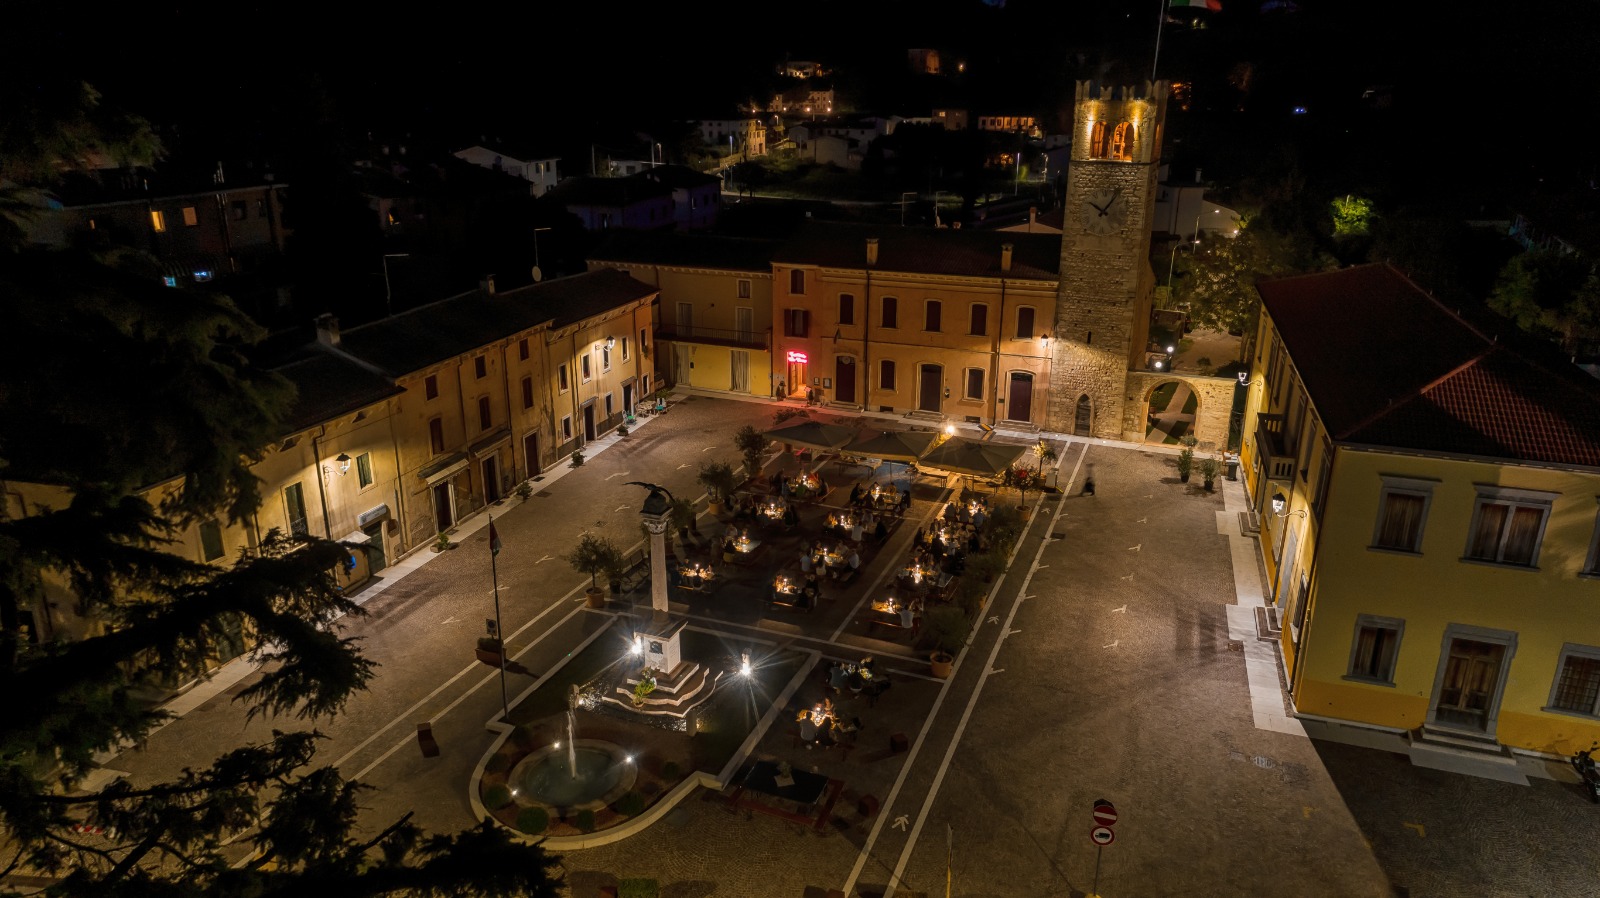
(1427, 498)
(498, 385)
(715, 328)
(946, 323)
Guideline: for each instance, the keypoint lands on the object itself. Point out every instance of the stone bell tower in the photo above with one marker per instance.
(1106, 286)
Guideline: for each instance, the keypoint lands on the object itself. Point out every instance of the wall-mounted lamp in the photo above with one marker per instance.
(947, 392)
(1044, 340)
(611, 342)
(344, 464)
(949, 430)
(1280, 504)
(1245, 381)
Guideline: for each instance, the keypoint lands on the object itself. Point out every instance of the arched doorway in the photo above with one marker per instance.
(1171, 408)
(1083, 417)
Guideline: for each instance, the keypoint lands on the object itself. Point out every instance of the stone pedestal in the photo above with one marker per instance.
(657, 526)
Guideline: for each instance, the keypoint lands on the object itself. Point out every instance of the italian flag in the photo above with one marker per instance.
(1211, 5)
(494, 540)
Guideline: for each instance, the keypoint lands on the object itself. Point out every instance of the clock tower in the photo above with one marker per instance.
(1106, 286)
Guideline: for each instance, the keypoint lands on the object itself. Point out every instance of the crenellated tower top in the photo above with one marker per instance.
(1119, 123)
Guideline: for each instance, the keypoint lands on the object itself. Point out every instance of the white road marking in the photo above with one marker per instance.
(618, 474)
(995, 670)
(901, 822)
(994, 618)
(543, 560)
(1122, 610)
(955, 740)
(1130, 576)
(1114, 644)
(1142, 521)
(1136, 548)
(620, 508)
(682, 466)
(452, 619)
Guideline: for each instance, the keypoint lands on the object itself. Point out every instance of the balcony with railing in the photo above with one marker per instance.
(1277, 458)
(714, 336)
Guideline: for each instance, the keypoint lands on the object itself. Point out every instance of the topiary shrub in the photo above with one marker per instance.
(670, 770)
(533, 820)
(496, 797)
(584, 820)
(630, 805)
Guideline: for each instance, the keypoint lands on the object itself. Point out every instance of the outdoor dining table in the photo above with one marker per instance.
(783, 781)
(694, 577)
(773, 508)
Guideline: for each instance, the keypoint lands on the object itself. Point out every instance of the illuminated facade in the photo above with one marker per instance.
(1432, 553)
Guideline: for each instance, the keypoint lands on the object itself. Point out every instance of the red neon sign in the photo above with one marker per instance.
(798, 357)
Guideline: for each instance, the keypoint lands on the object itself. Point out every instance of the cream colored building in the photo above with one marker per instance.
(1427, 494)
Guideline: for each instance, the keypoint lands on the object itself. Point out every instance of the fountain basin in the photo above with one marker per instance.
(542, 779)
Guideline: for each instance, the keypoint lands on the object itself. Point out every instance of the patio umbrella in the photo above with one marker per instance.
(960, 455)
(813, 435)
(892, 445)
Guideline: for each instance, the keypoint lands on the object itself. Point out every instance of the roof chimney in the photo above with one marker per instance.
(327, 329)
(872, 251)
(487, 284)
(1005, 257)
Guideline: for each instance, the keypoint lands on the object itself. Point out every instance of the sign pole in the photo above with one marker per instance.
(1095, 892)
(494, 576)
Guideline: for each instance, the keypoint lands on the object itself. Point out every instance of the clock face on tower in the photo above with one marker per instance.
(1104, 212)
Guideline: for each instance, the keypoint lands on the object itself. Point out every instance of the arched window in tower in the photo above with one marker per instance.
(1098, 141)
(1122, 142)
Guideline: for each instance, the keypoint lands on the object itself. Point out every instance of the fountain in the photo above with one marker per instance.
(589, 773)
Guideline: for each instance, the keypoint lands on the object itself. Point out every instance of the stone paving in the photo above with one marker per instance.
(1106, 672)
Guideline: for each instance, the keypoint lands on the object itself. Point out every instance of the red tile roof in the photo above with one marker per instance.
(1386, 364)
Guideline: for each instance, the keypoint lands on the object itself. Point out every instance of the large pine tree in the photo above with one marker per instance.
(110, 383)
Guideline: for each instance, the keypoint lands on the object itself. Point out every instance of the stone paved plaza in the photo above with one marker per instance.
(1105, 667)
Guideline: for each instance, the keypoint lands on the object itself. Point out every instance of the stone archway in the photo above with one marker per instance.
(1207, 420)
(1170, 410)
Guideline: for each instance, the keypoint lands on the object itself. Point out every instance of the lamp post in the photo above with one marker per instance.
(538, 273)
(903, 206)
(388, 304)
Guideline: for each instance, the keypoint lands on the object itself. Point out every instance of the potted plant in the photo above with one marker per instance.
(1046, 454)
(643, 688)
(442, 542)
(683, 517)
(1210, 467)
(524, 490)
(944, 631)
(1185, 464)
(717, 477)
(489, 650)
(595, 555)
(752, 444)
(622, 430)
(577, 458)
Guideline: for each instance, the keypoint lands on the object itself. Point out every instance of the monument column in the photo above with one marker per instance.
(655, 514)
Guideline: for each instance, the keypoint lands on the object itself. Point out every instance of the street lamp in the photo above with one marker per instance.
(1197, 222)
(1279, 504)
(388, 305)
(903, 206)
(1173, 258)
(344, 464)
(538, 273)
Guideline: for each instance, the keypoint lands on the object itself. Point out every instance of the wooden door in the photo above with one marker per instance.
(530, 450)
(930, 396)
(443, 507)
(844, 380)
(1084, 418)
(1471, 675)
(491, 480)
(588, 422)
(1019, 400)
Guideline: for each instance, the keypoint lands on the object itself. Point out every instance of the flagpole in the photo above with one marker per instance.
(494, 574)
(1161, 18)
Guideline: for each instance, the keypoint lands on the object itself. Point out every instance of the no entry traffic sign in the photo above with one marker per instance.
(1104, 813)
(1102, 835)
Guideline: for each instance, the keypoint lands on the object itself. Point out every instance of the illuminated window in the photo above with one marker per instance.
(190, 217)
(158, 220)
(1122, 141)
